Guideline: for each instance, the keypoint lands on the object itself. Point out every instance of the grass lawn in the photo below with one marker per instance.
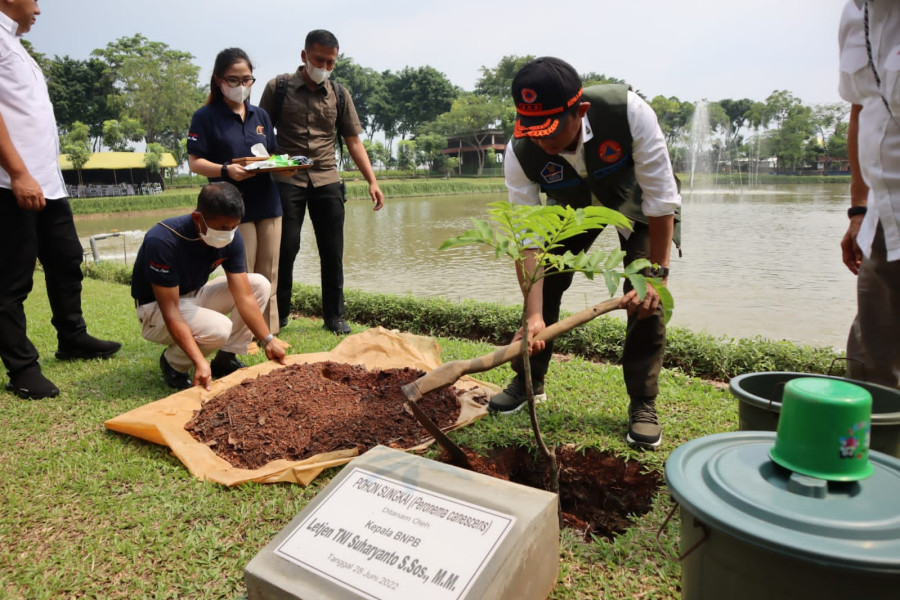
(89, 513)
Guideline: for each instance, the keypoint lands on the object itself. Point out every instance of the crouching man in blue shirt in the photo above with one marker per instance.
(178, 306)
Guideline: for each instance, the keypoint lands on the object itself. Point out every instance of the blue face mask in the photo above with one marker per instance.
(216, 238)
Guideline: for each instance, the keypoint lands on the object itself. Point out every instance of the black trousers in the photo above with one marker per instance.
(26, 236)
(326, 211)
(645, 339)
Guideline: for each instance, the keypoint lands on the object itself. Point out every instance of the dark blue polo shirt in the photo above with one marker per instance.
(218, 135)
(173, 254)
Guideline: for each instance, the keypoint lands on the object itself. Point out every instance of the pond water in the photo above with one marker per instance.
(761, 262)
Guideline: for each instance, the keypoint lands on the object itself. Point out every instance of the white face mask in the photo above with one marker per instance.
(216, 238)
(235, 94)
(316, 74)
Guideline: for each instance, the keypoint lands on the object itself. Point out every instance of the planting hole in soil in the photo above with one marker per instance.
(598, 491)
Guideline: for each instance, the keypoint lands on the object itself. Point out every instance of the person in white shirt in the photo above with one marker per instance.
(869, 41)
(601, 145)
(35, 216)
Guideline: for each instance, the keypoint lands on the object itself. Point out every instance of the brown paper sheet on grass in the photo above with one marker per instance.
(162, 422)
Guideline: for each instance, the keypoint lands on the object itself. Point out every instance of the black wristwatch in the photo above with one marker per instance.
(660, 272)
(225, 169)
(856, 210)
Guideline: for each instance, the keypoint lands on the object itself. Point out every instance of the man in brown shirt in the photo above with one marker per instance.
(305, 124)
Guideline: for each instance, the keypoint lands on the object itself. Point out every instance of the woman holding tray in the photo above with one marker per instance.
(225, 129)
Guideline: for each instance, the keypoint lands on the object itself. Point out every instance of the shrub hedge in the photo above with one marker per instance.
(180, 198)
(427, 187)
(696, 354)
(116, 204)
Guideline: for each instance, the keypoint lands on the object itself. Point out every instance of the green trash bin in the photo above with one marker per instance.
(759, 406)
(751, 529)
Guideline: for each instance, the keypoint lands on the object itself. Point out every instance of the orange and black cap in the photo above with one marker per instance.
(544, 91)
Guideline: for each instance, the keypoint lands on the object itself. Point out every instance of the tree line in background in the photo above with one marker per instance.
(137, 90)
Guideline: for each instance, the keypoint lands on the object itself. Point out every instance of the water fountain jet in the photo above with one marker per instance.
(699, 140)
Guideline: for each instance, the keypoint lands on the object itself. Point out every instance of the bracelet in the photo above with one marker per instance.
(856, 210)
(268, 339)
(225, 169)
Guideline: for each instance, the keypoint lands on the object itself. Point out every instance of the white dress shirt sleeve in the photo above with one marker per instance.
(28, 114)
(879, 129)
(521, 189)
(652, 166)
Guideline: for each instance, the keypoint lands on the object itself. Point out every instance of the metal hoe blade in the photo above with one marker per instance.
(457, 456)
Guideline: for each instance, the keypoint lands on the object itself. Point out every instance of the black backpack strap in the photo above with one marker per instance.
(339, 92)
(280, 93)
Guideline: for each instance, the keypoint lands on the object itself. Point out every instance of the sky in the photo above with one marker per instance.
(691, 49)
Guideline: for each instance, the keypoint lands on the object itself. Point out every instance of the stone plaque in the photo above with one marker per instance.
(387, 539)
(393, 526)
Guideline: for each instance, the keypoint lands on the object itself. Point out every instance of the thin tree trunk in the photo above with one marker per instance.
(550, 453)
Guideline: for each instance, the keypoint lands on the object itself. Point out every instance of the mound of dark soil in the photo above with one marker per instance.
(307, 409)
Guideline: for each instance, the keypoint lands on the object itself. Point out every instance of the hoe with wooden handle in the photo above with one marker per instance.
(449, 373)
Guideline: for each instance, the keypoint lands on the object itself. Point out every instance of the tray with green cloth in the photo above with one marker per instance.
(279, 163)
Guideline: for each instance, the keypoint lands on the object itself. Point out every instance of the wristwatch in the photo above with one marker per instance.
(225, 169)
(268, 339)
(660, 272)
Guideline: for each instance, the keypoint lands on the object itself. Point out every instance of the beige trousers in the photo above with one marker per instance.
(262, 241)
(206, 313)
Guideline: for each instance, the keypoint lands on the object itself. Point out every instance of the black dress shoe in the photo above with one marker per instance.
(225, 363)
(337, 326)
(32, 385)
(283, 322)
(86, 347)
(174, 379)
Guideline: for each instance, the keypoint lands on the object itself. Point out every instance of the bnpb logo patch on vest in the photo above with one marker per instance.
(552, 172)
(610, 151)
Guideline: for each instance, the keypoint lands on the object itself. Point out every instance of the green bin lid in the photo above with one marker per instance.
(728, 482)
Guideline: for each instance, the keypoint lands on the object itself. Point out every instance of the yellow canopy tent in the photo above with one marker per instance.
(116, 161)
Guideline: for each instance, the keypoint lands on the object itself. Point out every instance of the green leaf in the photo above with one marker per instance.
(593, 260)
(484, 228)
(637, 266)
(472, 236)
(577, 262)
(554, 261)
(639, 282)
(615, 259)
(612, 279)
(665, 297)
